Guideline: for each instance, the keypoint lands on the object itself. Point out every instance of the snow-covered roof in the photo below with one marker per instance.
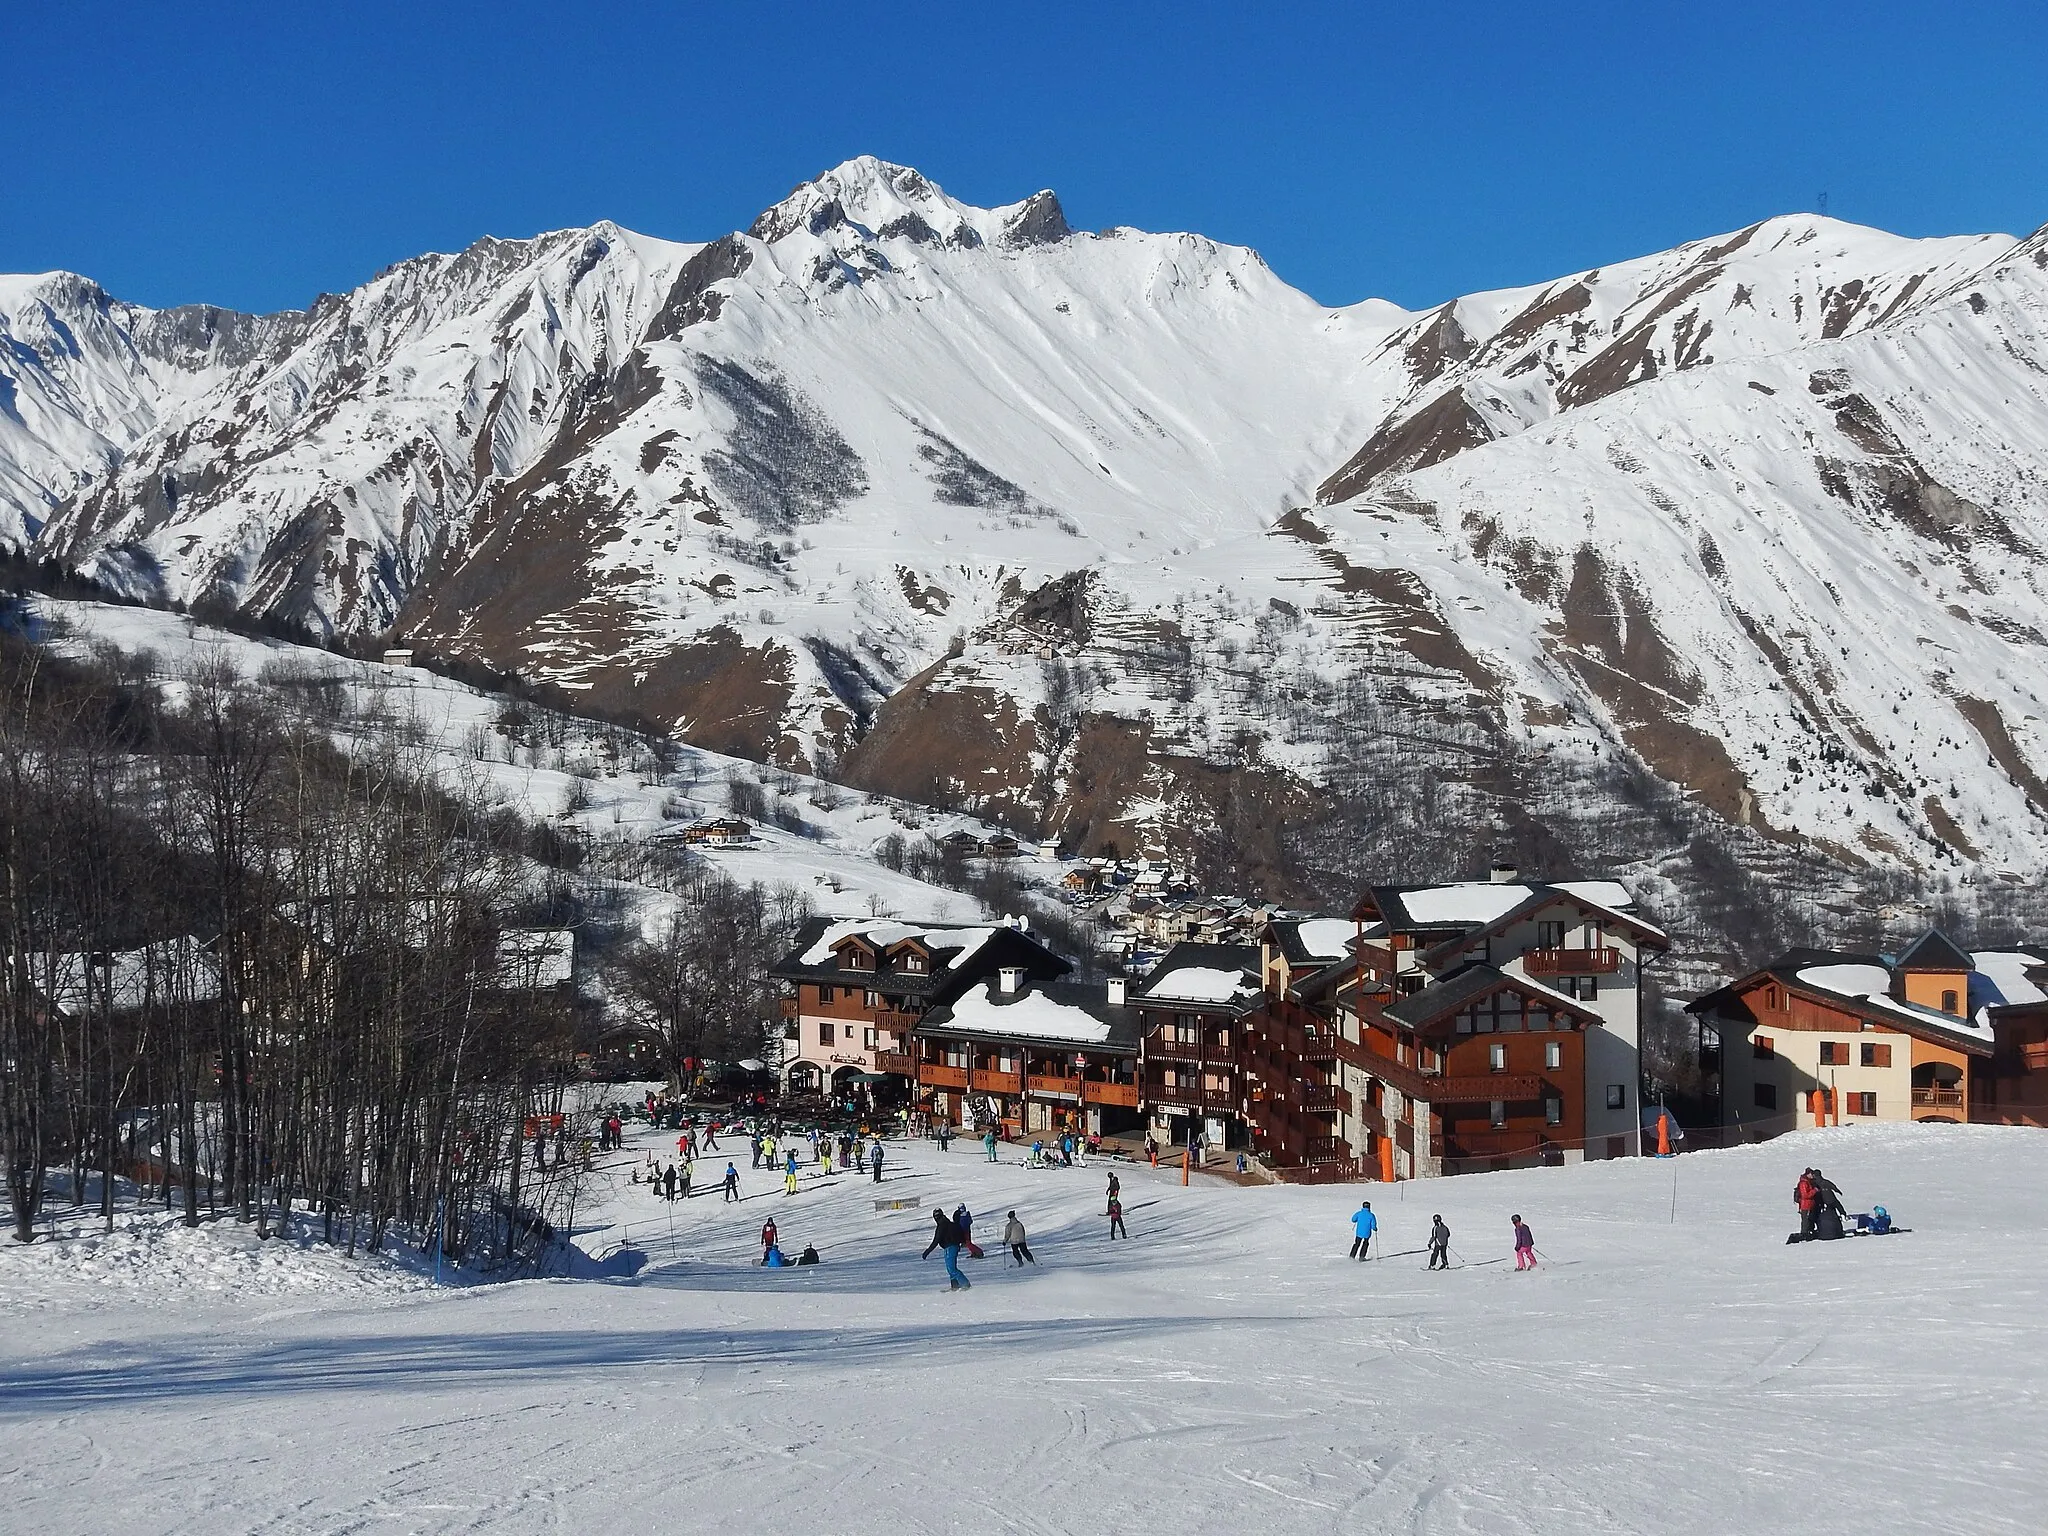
(1478, 901)
(135, 978)
(1868, 986)
(882, 934)
(1327, 938)
(1030, 1015)
(1611, 894)
(1200, 984)
(2008, 972)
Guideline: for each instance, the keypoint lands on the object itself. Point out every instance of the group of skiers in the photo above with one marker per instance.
(1365, 1226)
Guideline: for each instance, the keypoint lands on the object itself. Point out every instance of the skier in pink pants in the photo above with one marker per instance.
(1525, 1246)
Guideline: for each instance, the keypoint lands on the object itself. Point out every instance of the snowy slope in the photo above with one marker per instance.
(831, 491)
(1674, 1367)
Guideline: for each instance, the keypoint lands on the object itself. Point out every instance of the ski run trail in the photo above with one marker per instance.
(1229, 1369)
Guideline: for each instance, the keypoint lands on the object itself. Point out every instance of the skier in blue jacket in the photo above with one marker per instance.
(1364, 1224)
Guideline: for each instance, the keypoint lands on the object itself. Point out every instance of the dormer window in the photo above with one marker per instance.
(1949, 1003)
(856, 958)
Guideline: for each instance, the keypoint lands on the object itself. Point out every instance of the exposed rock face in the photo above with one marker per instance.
(1116, 534)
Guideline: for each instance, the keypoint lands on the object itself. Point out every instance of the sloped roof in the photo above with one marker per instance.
(1857, 983)
(1469, 984)
(953, 951)
(1464, 908)
(1202, 974)
(1069, 1014)
(1935, 951)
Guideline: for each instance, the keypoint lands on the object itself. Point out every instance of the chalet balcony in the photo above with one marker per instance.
(1179, 1093)
(1325, 1149)
(1604, 961)
(1124, 1095)
(787, 1007)
(896, 1061)
(1937, 1098)
(2034, 1053)
(1183, 1050)
(990, 1081)
(932, 1074)
(1054, 1087)
(895, 1022)
(1321, 1099)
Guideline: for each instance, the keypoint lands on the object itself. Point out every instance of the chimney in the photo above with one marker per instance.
(1505, 874)
(1010, 978)
(1116, 991)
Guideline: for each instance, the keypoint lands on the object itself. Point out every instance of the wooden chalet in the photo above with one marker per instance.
(1030, 1056)
(854, 990)
(1831, 1037)
(1190, 1011)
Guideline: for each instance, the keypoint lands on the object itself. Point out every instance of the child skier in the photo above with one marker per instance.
(1525, 1245)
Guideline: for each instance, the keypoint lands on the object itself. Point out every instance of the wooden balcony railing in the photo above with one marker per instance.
(1124, 1094)
(1176, 1093)
(1321, 1098)
(2035, 1054)
(1069, 1086)
(933, 1075)
(787, 1006)
(1937, 1098)
(1183, 1050)
(899, 1023)
(1603, 961)
(987, 1081)
(896, 1061)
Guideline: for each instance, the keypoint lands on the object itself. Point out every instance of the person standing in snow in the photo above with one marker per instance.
(1525, 1245)
(988, 1143)
(963, 1223)
(683, 1184)
(732, 1181)
(789, 1176)
(1116, 1219)
(1806, 1200)
(946, 1238)
(1115, 1186)
(1152, 1151)
(1439, 1244)
(1363, 1225)
(767, 1238)
(1013, 1234)
(668, 1181)
(710, 1136)
(876, 1159)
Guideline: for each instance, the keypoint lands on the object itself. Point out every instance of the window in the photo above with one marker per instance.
(912, 961)
(1499, 1116)
(1771, 1000)
(1834, 1053)
(1584, 988)
(867, 1039)
(1863, 1104)
(1617, 1096)
(1766, 1095)
(827, 1032)
(1553, 1111)
(1553, 1056)
(856, 959)
(1763, 1047)
(1550, 935)
(1497, 1057)
(871, 999)
(852, 1033)
(1948, 1003)
(826, 994)
(1875, 1055)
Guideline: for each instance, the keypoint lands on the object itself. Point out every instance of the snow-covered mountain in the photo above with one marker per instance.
(964, 504)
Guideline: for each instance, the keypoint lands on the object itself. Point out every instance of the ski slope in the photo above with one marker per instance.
(1226, 1370)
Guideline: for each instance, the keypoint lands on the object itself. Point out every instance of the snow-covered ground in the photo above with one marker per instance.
(1228, 1369)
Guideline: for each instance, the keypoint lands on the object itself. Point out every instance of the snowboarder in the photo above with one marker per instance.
(773, 1258)
(946, 1238)
(1013, 1234)
(732, 1182)
(767, 1238)
(963, 1222)
(1363, 1225)
(1116, 1219)
(876, 1159)
(1525, 1245)
(808, 1256)
(1439, 1244)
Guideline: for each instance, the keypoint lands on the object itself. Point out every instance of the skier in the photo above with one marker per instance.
(1439, 1244)
(767, 1238)
(789, 1175)
(732, 1182)
(1806, 1199)
(710, 1137)
(1525, 1246)
(1013, 1234)
(1363, 1225)
(946, 1238)
(988, 1143)
(1116, 1219)
(963, 1222)
(876, 1156)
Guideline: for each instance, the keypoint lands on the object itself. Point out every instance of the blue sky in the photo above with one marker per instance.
(257, 155)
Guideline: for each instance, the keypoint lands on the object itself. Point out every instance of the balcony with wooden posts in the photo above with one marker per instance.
(1190, 1093)
(896, 1022)
(1045, 1086)
(1602, 961)
(1322, 1098)
(1939, 1100)
(994, 1080)
(935, 1074)
(786, 1007)
(1159, 1049)
(896, 1061)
